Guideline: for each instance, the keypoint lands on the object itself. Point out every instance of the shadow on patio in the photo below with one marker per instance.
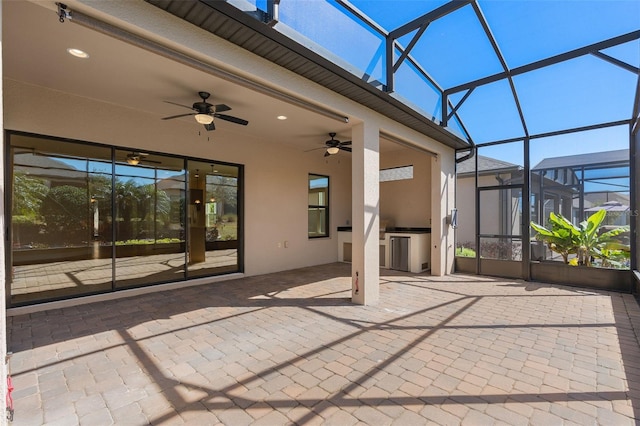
(291, 348)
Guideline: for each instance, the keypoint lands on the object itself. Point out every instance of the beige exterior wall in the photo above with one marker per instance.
(276, 186)
(465, 203)
(407, 202)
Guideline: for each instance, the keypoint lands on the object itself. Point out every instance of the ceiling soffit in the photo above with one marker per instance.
(234, 25)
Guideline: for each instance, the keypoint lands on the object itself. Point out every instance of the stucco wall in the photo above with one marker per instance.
(442, 202)
(276, 195)
(465, 203)
(407, 202)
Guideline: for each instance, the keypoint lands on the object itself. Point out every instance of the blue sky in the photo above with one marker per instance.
(454, 50)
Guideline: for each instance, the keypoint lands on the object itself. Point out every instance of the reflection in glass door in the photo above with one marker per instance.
(87, 219)
(214, 225)
(149, 196)
(60, 220)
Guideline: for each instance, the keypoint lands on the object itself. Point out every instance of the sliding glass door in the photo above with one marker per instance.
(89, 219)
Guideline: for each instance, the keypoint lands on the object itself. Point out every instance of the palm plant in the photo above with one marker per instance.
(584, 240)
(559, 237)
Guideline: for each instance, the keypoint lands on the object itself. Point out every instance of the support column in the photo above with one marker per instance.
(365, 208)
(442, 202)
(3, 266)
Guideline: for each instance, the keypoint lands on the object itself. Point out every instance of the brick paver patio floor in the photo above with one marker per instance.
(290, 348)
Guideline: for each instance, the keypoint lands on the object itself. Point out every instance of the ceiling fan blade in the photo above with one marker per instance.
(326, 153)
(345, 143)
(344, 148)
(144, 160)
(315, 149)
(231, 119)
(173, 103)
(210, 126)
(221, 108)
(178, 116)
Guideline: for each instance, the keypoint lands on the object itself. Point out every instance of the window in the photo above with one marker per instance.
(318, 206)
(396, 173)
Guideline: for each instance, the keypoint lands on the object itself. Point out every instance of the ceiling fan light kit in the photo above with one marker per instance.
(133, 159)
(204, 118)
(204, 112)
(333, 150)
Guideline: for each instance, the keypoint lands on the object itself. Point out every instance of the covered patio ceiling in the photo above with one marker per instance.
(122, 74)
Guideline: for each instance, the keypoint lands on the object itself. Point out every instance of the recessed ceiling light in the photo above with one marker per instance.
(281, 117)
(78, 53)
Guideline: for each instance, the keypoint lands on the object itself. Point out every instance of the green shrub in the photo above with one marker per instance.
(465, 252)
(148, 241)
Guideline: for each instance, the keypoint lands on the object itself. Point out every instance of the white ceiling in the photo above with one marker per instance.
(34, 52)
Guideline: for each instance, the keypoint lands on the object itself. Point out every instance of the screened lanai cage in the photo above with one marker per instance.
(573, 186)
(577, 186)
(546, 95)
(494, 235)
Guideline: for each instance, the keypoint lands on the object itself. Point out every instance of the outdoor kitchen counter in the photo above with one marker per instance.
(419, 247)
(397, 230)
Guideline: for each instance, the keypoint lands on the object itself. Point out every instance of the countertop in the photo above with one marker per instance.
(397, 230)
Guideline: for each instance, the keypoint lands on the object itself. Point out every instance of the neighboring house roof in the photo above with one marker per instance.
(46, 167)
(172, 183)
(485, 164)
(610, 206)
(619, 155)
(599, 198)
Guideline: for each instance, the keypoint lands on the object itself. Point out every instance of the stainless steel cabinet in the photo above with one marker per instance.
(399, 253)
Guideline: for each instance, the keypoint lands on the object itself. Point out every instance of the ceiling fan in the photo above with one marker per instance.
(204, 112)
(135, 157)
(334, 146)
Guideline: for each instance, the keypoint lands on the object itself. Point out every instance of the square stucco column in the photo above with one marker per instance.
(442, 202)
(365, 208)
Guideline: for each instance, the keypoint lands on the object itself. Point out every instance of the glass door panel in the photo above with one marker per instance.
(149, 228)
(60, 219)
(214, 225)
